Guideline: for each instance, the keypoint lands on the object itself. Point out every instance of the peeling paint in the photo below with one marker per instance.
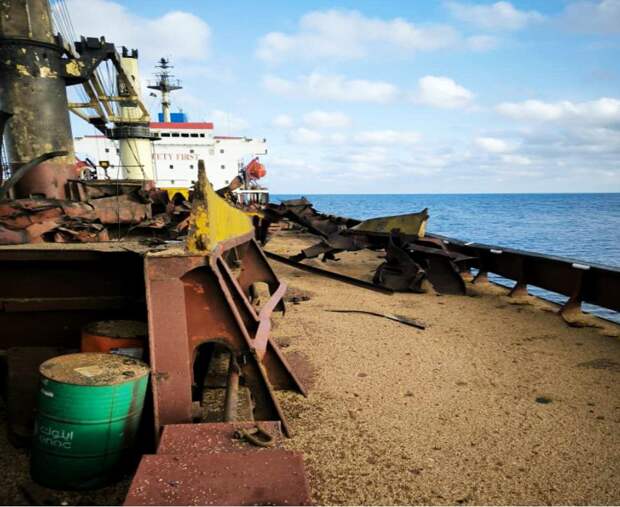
(47, 72)
(22, 69)
(73, 68)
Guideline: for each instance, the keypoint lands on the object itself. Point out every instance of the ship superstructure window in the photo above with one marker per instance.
(164, 134)
(221, 151)
(191, 151)
(107, 150)
(191, 166)
(194, 135)
(223, 166)
(171, 166)
(175, 134)
(202, 135)
(184, 134)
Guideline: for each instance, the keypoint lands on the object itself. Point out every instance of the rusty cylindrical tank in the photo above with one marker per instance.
(123, 336)
(32, 89)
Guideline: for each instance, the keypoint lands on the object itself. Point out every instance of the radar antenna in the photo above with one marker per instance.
(165, 84)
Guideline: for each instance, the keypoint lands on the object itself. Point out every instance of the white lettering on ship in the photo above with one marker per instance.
(176, 156)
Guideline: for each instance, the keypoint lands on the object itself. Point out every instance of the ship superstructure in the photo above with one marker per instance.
(176, 152)
(177, 146)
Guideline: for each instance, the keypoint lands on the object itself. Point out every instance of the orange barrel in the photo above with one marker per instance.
(127, 337)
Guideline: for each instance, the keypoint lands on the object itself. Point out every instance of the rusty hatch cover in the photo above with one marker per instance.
(276, 477)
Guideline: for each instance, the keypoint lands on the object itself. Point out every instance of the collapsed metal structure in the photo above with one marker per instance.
(191, 302)
(413, 255)
(192, 270)
(75, 251)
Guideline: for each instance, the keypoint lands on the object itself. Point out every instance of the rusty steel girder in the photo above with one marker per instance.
(193, 300)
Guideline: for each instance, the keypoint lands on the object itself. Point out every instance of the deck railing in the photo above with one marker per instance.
(578, 280)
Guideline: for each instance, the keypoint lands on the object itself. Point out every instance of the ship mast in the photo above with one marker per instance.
(165, 84)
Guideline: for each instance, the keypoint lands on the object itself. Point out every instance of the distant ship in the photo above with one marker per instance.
(177, 147)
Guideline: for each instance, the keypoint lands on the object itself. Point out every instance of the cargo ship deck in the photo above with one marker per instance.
(496, 401)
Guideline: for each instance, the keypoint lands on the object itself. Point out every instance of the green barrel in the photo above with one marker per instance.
(88, 411)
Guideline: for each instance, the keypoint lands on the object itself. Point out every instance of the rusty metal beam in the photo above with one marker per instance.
(197, 299)
(329, 274)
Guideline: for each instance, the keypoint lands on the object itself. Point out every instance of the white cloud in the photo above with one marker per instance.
(152, 36)
(482, 42)
(344, 35)
(544, 157)
(604, 111)
(386, 137)
(516, 160)
(443, 92)
(493, 144)
(602, 16)
(375, 141)
(303, 135)
(326, 119)
(497, 16)
(332, 87)
(283, 121)
(337, 138)
(227, 123)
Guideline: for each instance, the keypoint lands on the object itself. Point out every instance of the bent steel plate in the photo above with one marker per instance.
(211, 438)
(275, 477)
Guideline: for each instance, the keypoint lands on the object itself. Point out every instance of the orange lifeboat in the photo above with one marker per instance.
(255, 170)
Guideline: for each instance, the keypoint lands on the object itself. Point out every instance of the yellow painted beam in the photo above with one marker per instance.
(213, 219)
(413, 224)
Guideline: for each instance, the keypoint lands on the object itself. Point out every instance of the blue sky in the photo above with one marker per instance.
(394, 96)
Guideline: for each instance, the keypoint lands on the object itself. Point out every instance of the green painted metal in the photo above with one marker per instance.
(85, 428)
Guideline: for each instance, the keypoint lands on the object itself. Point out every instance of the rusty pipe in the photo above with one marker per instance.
(232, 391)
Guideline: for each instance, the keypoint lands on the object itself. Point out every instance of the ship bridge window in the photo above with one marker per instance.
(171, 166)
(107, 150)
(184, 134)
(202, 135)
(194, 135)
(164, 134)
(174, 134)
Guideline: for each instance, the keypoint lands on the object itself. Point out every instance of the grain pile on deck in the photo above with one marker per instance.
(494, 402)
